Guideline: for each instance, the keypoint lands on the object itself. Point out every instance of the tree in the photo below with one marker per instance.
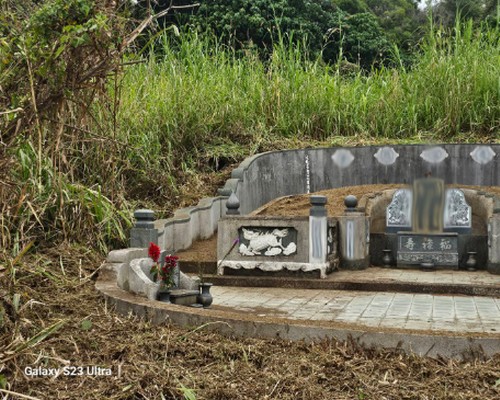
(362, 40)
(447, 10)
(352, 6)
(399, 19)
(262, 21)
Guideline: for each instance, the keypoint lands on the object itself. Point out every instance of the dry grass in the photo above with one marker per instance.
(48, 329)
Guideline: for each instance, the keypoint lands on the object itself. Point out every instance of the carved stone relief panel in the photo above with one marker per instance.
(434, 155)
(483, 154)
(257, 241)
(342, 158)
(399, 210)
(386, 155)
(457, 213)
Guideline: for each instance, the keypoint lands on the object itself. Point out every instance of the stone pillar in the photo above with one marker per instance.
(494, 243)
(354, 233)
(318, 230)
(144, 230)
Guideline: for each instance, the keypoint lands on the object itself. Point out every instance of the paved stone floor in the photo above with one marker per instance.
(374, 309)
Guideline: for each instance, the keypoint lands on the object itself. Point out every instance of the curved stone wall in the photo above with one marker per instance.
(264, 177)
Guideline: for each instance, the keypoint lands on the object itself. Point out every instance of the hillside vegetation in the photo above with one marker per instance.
(194, 107)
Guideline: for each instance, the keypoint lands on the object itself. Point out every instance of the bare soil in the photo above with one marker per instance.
(201, 250)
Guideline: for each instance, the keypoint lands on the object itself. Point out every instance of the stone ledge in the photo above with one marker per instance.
(274, 266)
(357, 285)
(184, 297)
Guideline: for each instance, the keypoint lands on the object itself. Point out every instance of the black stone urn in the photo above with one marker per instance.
(387, 259)
(205, 297)
(471, 261)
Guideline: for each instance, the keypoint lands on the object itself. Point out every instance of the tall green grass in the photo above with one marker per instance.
(194, 105)
(199, 94)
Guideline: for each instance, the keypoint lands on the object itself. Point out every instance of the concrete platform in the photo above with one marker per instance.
(420, 312)
(430, 325)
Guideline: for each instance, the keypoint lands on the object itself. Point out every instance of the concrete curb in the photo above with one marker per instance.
(439, 344)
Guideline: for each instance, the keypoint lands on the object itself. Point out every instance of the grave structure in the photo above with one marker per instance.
(428, 220)
(303, 246)
(429, 225)
(458, 222)
(426, 226)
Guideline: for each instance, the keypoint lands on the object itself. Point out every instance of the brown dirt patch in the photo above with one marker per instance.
(300, 204)
(201, 250)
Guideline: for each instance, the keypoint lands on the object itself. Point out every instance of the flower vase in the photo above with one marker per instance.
(471, 261)
(386, 259)
(204, 297)
(163, 295)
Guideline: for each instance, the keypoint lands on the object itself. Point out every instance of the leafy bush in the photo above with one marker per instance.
(56, 58)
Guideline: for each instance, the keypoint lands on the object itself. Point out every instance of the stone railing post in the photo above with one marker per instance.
(318, 230)
(494, 242)
(144, 230)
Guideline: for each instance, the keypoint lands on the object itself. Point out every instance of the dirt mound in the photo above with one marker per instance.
(300, 204)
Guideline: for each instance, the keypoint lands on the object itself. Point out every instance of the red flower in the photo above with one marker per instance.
(154, 252)
(162, 273)
(170, 262)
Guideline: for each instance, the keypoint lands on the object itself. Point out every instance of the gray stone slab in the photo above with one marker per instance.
(125, 255)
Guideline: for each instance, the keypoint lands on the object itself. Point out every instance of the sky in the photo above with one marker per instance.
(423, 3)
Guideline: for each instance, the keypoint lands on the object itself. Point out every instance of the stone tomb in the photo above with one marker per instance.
(294, 246)
(428, 221)
(278, 246)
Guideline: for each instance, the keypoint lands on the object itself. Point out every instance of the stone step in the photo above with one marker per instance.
(198, 267)
(357, 285)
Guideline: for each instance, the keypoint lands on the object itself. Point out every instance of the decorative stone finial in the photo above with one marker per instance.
(233, 205)
(144, 218)
(318, 206)
(144, 231)
(351, 202)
